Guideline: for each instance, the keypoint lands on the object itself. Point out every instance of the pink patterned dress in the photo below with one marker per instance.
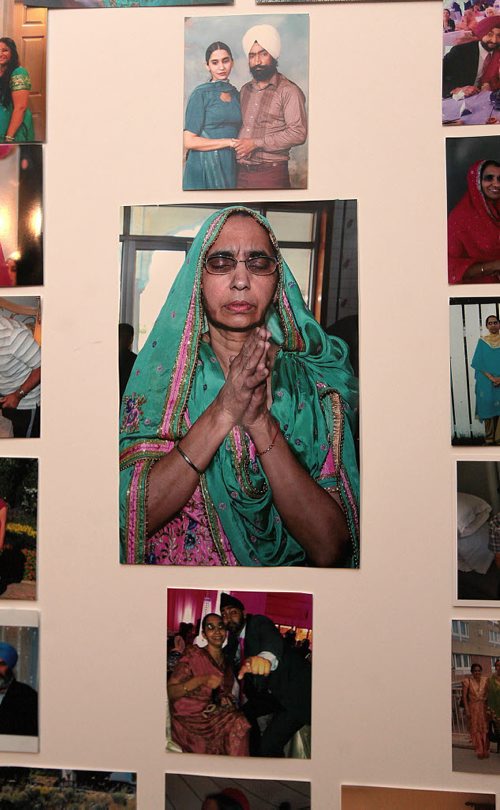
(200, 723)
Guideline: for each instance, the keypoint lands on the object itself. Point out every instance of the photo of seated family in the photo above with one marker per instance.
(238, 426)
(21, 196)
(471, 62)
(239, 673)
(23, 44)
(246, 85)
(473, 198)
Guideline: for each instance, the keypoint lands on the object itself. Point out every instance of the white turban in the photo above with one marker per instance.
(267, 36)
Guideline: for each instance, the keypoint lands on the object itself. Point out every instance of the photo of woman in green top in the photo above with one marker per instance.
(212, 123)
(16, 121)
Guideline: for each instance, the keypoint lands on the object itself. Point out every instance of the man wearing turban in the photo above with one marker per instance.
(18, 701)
(274, 114)
(474, 66)
(276, 680)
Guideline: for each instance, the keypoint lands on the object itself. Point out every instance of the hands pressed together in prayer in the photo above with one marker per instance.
(244, 396)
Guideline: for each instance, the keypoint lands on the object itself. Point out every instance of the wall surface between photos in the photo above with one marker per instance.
(381, 706)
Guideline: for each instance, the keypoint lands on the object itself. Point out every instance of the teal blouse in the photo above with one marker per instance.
(19, 80)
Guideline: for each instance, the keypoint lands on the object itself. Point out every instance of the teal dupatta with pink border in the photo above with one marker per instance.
(176, 376)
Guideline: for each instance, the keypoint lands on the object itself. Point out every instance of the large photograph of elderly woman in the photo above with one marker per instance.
(245, 86)
(23, 45)
(239, 673)
(473, 193)
(239, 417)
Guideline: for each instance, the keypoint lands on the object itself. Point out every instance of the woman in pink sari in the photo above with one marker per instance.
(205, 718)
(474, 695)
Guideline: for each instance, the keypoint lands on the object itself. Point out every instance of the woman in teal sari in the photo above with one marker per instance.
(486, 364)
(16, 122)
(236, 423)
(212, 123)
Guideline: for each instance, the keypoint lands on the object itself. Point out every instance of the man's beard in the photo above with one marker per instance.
(5, 680)
(262, 73)
(489, 46)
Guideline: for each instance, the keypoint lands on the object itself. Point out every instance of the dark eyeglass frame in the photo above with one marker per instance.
(233, 262)
(210, 626)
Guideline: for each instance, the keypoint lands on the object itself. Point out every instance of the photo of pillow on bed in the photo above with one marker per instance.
(472, 513)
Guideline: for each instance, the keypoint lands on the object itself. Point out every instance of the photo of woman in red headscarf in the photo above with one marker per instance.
(474, 228)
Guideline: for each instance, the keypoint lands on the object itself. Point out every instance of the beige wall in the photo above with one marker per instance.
(381, 703)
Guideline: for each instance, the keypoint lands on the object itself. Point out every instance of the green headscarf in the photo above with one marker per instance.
(177, 375)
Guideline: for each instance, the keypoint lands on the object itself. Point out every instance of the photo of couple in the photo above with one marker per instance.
(252, 137)
(239, 673)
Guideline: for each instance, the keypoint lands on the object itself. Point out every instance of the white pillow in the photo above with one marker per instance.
(472, 513)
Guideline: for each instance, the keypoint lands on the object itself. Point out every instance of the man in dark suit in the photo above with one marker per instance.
(18, 701)
(276, 680)
(470, 67)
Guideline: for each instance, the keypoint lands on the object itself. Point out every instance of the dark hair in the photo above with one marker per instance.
(126, 330)
(217, 46)
(487, 319)
(476, 666)
(206, 618)
(13, 63)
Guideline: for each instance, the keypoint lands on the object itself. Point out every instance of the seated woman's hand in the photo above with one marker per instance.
(247, 372)
(213, 681)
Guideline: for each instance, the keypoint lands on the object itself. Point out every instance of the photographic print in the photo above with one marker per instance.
(246, 88)
(21, 192)
(19, 680)
(478, 530)
(23, 47)
(473, 196)
(475, 371)
(471, 63)
(48, 788)
(475, 694)
(385, 798)
(239, 673)
(20, 366)
(244, 387)
(188, 792)
(18, 527)
(124, 3)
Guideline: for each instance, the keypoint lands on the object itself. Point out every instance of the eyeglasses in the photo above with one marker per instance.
(258, 265)
(211, 626)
